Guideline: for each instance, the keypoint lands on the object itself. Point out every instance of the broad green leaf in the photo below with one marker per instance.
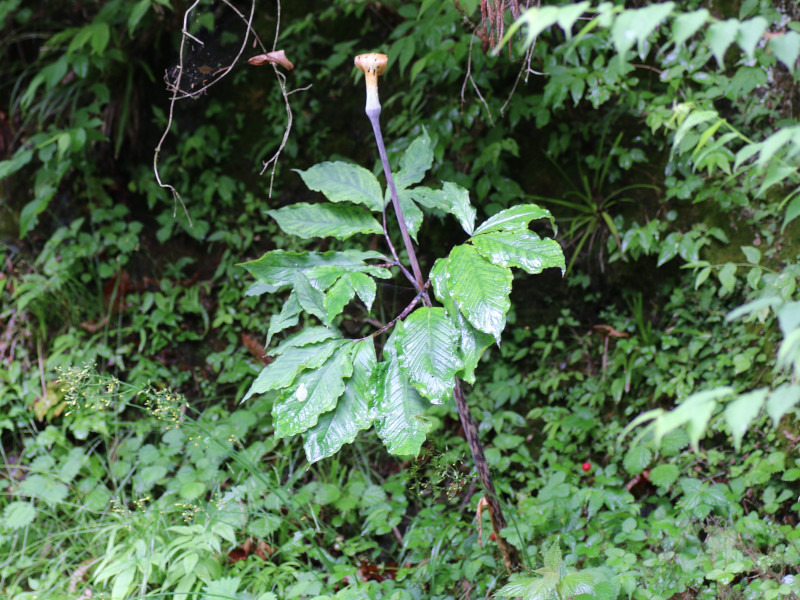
(452, 199)
(535, 20)
(741, 411)
(636, 459)
(552, 558)
(399, 409)
(458, 205)
(340, 426)
(745, 154)
(315, 392)
(515, 218)
(15, 163)
(694, 119)
(225, 587)
(412, 215)
(727, 277)
(44, 488)
(343, 182)
(786, 48)
(309, 335)
(310, 298)
(750, 33)
(664, 475)
(122, 583)
(339, 221)
(530, 588)
(480, 289)
(338, 296)
(288, 317)
(18, 514)
(752, 254)
(279, 268)
(415, 162)
(635, 25)
(282, 372)
(720, 36)
(365, 287)
(687, 24)
(781, 400)
(567, 15)
(695, 412)
(522, 249)
(792, 212)
(473, 342)
(575, 583)
(426, 345)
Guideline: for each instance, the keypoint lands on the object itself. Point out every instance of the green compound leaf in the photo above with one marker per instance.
(522, 249)
(426, 344)
(515, 218)
(18, 514)
(416, 161)
(315, 392)
(343, 182)
(324, 220)
(473, 342)
(480, 289)
(282, 372)
(340, 426)
(399, 409)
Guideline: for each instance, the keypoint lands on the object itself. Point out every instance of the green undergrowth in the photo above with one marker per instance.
(208, 504)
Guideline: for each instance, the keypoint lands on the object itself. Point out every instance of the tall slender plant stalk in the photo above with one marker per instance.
(373, 65)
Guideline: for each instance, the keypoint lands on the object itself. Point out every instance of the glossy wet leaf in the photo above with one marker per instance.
(338, 296)
(313, 393)
(309, 335)
(282, 372)
(279, 268)
(343, 182)
(399, 409)
(522, 249)
(351, 415)
(288, 317)
(415, 162)
(310, 298)
(426, 345)
(480, 289)
(473, 343)
(324, 220)
(515, 218)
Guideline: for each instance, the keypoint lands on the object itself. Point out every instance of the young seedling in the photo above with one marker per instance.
(328, 388)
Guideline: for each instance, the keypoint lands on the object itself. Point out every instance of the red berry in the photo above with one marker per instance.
(586, 466)
(493, 536)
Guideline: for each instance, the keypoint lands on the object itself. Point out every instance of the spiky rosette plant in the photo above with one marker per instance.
(327, 387)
